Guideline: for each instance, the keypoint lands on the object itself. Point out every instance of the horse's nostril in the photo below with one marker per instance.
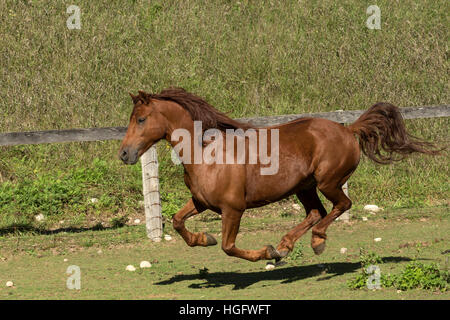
(124, 155)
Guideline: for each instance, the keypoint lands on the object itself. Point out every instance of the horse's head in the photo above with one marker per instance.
(147, 126)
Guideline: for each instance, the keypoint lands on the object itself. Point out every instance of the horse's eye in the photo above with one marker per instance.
(141, 120)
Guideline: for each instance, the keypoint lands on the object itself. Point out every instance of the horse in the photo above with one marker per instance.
(313, 154)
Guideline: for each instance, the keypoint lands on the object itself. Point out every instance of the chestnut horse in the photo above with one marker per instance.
(313, 154)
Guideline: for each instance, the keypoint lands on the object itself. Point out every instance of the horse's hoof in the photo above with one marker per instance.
(210, 240)
(272, 253)
(319, 248)
(283, 253)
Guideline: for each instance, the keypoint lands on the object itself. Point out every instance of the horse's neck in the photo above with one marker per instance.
(182, 131)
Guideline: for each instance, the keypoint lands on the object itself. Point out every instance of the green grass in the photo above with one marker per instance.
(274, 57)
(35, 261)
(427, 276)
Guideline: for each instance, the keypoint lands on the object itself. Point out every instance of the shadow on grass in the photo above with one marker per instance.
(283, 274)
(26, 228)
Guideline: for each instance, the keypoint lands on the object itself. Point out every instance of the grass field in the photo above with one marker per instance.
(35, 262)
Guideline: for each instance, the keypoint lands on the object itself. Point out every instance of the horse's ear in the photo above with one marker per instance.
(134, 98)
(144, 96)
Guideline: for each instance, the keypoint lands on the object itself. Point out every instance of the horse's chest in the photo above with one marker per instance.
(197, 188)
(206, 191)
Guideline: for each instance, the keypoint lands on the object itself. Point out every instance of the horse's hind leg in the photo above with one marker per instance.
(341, 203)
(192, 239)
(314, 212)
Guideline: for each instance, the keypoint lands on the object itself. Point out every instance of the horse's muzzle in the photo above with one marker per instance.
(128, 156)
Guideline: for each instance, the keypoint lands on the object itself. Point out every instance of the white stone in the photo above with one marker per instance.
(9, 284)
(270, 266)
(137, 221)
(130, 268)
(94, 200)
(167, 237)
(40, 217)
(364, 218)
(65, 260)
(343, 250)
(145, 264)
(377, 239)
(372, 208)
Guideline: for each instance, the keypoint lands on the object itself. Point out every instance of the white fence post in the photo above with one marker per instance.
(152, 202)
(346, 215)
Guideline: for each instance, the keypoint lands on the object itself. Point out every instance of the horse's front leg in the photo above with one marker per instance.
(231, 220)
(192, 239)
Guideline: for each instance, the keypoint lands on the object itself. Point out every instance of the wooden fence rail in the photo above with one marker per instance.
(117, 133)
(149, 160)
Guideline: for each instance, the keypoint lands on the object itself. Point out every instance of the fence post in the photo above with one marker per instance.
(152, 203)
(346, 215)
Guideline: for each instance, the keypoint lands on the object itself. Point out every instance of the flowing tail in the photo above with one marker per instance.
(381, 128)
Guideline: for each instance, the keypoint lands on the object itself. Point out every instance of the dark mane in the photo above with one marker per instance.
(198, 108)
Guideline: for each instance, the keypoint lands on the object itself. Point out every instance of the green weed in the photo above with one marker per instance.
(414, 275)
(419, 275)
(297, 253)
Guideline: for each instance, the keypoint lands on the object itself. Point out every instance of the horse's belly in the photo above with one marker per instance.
(271, 189)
